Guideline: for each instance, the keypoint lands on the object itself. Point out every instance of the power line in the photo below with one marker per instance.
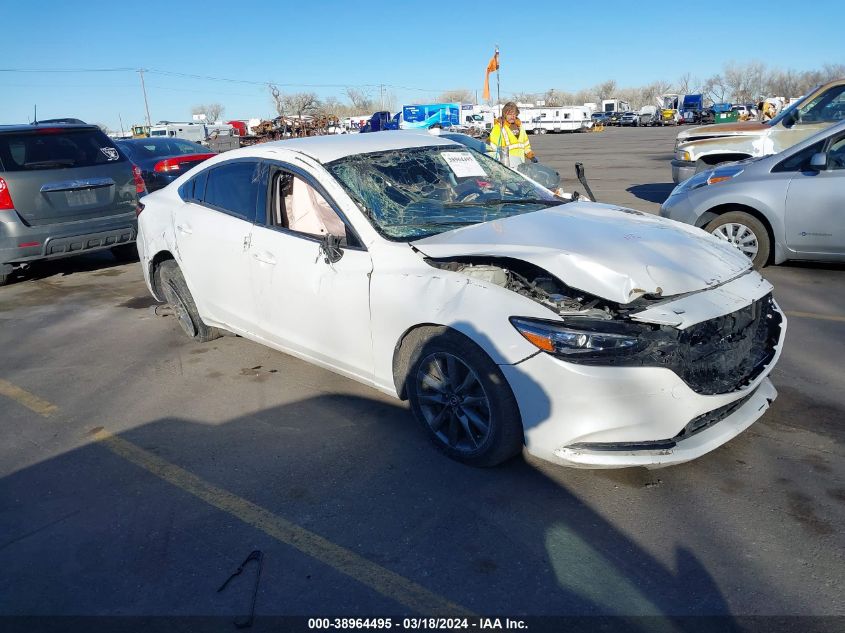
(67, 70)
(172, 73)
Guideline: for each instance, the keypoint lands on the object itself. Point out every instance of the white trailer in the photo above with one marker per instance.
(556, 119)
(192, 131)
(614, 105)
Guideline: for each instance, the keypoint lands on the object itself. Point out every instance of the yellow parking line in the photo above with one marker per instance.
(813, 315)
(382, 580)
(30, 401)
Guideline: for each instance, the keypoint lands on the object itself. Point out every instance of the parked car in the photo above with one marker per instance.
(629, 119)
(162, 160)
(649, 115)
(599, 118)
(613, 118)
(597, 336)
(785, 206)
(65, 189)
(701, 148)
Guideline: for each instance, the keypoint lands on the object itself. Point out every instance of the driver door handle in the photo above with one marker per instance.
(265, 258)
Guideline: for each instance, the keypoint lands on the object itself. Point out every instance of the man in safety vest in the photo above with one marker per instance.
(509, 140)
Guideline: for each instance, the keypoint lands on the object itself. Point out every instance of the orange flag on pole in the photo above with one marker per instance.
(492, 67)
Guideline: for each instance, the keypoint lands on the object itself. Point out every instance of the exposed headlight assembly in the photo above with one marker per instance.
(704, 178)
(583, 340)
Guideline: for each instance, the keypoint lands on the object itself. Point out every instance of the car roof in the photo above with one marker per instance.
(32, 127)
(331, 147)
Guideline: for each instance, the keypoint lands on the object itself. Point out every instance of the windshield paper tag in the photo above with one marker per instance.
(463, 164)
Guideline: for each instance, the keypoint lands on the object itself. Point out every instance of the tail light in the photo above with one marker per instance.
(175, 163)
(5, 197)
(140, 187)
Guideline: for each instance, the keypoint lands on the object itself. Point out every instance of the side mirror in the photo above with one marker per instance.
(819, 161)
(330, 248)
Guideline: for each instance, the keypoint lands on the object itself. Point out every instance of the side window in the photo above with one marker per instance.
(234, 188)
(836, 154)
(299, 207)
(799, 161)
(194, 189)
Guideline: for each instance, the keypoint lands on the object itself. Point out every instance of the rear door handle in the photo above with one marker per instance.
(184, 228)
(265, 258)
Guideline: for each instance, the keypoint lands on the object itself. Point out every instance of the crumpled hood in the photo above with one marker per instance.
(613, 253)
(743, 128)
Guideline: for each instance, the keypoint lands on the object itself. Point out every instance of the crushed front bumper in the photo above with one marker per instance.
(615, 417)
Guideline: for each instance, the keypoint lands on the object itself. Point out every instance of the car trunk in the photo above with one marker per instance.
(58, 175)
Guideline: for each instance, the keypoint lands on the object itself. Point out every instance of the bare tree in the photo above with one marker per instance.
(332, 107)
(301, 103)
(605, 90)
(104, 128)
(832, 71)
(212, 111)
(524, 97)
(716, 89)
(459, 95)
(554, 97)
(744, 81)
(687, 84)
(788, 83)
(361, 101)
(278, 99)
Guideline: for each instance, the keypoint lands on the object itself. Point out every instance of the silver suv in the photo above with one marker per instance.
(64, 190)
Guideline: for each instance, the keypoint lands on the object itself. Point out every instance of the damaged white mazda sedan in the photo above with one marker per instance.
(597, 337)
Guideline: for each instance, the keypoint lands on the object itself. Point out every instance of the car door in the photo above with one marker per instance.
(213, 228)
(307, 303)
(815, 203)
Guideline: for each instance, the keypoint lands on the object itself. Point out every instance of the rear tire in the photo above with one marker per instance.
(746, 233)
(175, 291)
(462, 399)
(4, 279)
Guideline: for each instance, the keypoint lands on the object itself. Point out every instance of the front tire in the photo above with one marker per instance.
(746, 233)
(175, 291)
(463, 401)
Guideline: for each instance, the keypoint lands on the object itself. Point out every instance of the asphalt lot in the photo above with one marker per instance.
(138, 470)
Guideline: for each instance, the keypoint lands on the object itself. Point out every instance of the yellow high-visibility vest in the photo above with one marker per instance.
(509, 144)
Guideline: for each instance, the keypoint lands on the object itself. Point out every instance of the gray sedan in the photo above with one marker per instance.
(774, 208)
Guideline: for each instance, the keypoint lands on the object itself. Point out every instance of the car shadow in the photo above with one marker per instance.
(813, 265)
(153, 522)
(656, 192)
(66, 266)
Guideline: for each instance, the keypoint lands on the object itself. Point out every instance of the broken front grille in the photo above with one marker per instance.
(727, 353)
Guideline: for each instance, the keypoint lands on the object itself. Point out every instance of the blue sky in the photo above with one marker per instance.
(417, 52)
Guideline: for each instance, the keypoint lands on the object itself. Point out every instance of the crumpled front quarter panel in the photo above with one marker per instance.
(405, 292)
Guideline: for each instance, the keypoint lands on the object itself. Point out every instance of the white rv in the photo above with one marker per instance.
(614, 105)
(193, 131)
(556, 119)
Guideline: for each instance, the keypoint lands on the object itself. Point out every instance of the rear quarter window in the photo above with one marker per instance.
(56, 149)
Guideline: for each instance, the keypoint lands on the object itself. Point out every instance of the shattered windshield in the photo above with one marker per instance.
(416, 192)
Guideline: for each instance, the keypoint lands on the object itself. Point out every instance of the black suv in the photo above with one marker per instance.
(65, 189)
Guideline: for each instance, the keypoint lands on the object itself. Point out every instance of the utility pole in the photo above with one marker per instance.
(498, 64)
(144, 90)
(120, 118)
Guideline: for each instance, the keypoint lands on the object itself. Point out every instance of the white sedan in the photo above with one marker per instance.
(595, 336)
